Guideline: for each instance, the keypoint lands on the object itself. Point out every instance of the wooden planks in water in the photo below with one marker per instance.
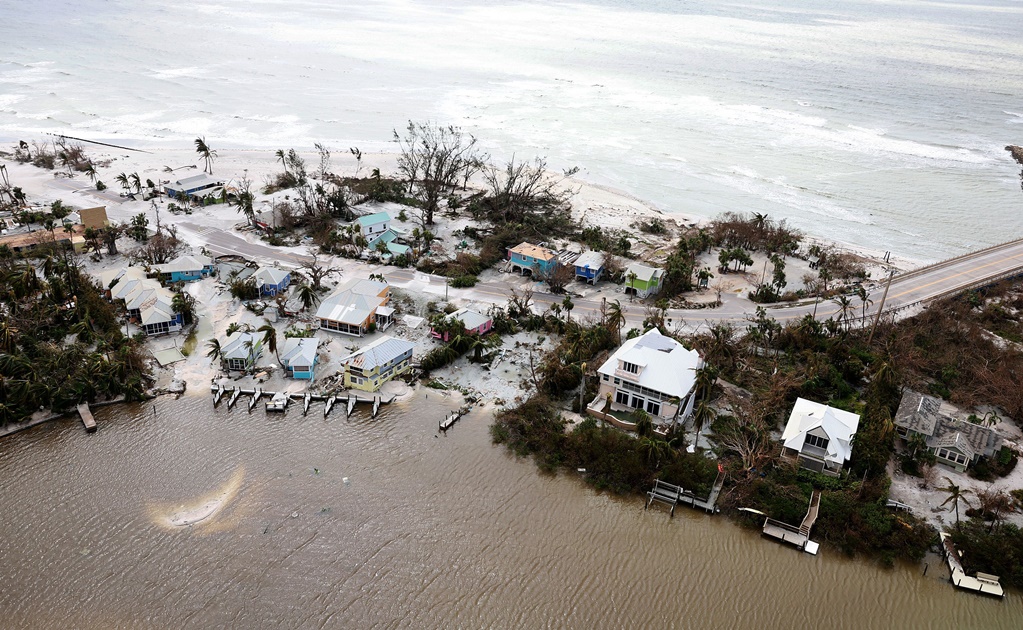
(327, 407)
(87, 419)
(234, 397)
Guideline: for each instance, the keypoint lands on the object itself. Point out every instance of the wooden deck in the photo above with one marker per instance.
(982, 583)
(672, 495)
(793, 535)
(87, 419)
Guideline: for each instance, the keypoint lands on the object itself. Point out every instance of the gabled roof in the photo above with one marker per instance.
(299, 351)
(957, 441)
(590, 260)
(378, 353)
(373, 219)
(234, 346)
(533, 251)
(120, 273)
(642, 272)
(353, 302)
(184, 264)
(470, 319)
(668, 367)
(923, 414)
(158, 309)
(840, 427)
(269, 276)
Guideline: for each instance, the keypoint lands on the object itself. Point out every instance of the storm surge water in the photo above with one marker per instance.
(878, 124)
(366, 523)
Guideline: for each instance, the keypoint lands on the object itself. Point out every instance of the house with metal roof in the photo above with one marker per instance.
(641, 280)
(299, 357)
(388, 241)
(589, 267)
(271, 280)
(532, 259)
(376, 363)
(651, 372)
(241, 350)
(372, 225)
(186, 269)
(355, 307)
(473, 322)
(819, 436)
(148, 303)
(954, 442)
(201, 185)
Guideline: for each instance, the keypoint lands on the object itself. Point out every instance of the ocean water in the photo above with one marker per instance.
(880, 124)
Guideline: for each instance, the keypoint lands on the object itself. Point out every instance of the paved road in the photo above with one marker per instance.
(906, 290)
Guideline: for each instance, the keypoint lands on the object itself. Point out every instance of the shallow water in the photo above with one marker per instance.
(428, 531)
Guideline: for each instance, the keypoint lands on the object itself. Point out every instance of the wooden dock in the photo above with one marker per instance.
(796, 536)
(349, 399)
(673, 495)
(983, 583)
(87, 419)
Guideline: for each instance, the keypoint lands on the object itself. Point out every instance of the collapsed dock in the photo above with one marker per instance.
(983, 583)
(797, 536)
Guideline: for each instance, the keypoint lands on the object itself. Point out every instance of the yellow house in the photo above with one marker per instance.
(376, 363)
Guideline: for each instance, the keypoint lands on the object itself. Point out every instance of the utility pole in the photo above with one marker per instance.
(880, 309)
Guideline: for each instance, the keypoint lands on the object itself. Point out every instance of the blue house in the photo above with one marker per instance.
(196, 186)
(536, 260)
(373, 225)
(271, 280)
(186, 269)
(299, 357)
(589, 267)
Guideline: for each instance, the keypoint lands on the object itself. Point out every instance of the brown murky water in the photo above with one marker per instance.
(428, 532)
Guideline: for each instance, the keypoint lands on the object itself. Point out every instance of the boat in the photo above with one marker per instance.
(278, 403)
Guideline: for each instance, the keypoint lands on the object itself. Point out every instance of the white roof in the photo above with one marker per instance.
(195, 181)
(378, 353)
(269, 275)
(641, 271)
(840, 427)
(109, 275)
(299, 351)
(667, 366)
(348, 307)
(590, 259)
(159, 308)
(184, 263)
(234, 346)
(470, 319)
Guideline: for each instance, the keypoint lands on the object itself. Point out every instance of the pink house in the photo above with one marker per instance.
(474, 323)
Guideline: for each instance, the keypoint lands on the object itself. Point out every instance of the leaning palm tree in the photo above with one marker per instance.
(955, 495)
(91, 172)
(270, 338)
(214, 351)
(206, 153)
(124, 181)
(615, 319)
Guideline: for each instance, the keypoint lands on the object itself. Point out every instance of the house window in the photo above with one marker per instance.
(618, 381)
(631, 368)
(637, 403)
(622, 398)
(607, 378)
(813, 440)
(653, 408)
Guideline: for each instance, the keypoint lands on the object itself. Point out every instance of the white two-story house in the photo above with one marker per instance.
(654, 373)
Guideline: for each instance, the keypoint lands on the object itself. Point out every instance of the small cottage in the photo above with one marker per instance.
(473, 322)
(642, 281)
(270, 280)
(529, 259)
(373, 365)
(820, 436)
(299, 357)
(589, 267)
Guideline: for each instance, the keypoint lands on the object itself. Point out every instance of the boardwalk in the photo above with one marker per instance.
(980, 583)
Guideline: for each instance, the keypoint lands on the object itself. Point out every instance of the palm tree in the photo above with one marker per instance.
(955, 495)
(282, 157)
(136, 182)
(270, 338)
(844, 306)
(307, 295)
(90, 171)
(861, 292)
(614, 320)
(213, 350)
(123, 180)
(568, 306)
(206, 153)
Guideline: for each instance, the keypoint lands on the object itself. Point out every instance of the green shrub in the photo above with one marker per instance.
(463, 282)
